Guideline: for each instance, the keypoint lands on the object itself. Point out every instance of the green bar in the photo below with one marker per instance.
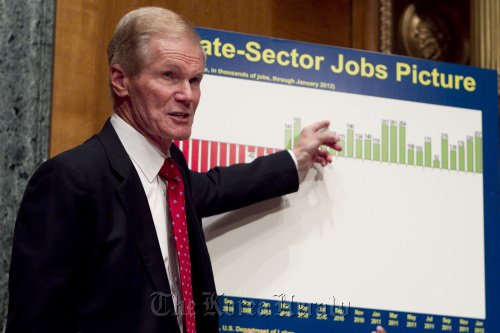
(350, 143)
(376, 149)
(461, 156)
(385, 143)
(444, 151)
(411, 157)
(479, 152)
(359, 148)
(402, 144)
(428, 151)
(288, 138)
(368, 149)
(420, 158)
(394, 144)
(296, 132)
(342, 144)
(470, 154)
(453, 159)
(435, 163)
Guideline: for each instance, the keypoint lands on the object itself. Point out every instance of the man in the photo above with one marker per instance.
(94, 245)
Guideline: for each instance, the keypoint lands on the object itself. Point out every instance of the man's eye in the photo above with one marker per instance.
(168, 74)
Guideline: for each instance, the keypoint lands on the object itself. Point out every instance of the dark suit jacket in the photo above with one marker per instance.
(86, 256)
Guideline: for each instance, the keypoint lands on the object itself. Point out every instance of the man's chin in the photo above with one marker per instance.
(182, 137)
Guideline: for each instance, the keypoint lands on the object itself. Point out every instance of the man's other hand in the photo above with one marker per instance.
(380, 329)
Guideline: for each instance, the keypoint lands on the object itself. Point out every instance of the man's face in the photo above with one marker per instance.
(166, 94)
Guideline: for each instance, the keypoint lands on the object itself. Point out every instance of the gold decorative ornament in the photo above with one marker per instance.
(434, 30)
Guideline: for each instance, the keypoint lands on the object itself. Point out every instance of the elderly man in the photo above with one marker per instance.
(109, 236)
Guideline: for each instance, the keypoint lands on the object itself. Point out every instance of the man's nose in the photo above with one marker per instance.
(184, 92)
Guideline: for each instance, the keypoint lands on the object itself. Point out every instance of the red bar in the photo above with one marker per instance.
(223, 154)
(251, 149)
(232, 154)
(177, 143)
(260, 151)
(204, 156)
(213, 154)
(241, 158)
(277, 150)
(185, 149)
(269, 151)
(194, 154)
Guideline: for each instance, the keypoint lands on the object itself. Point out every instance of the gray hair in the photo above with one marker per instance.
(128, 46)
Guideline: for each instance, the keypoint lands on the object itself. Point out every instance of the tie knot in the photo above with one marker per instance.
(170, 171)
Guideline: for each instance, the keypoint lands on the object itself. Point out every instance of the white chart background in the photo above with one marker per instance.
(377, 235)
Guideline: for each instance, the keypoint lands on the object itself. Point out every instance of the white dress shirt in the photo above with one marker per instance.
(148, 160)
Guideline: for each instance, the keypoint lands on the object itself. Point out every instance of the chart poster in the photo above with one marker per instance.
(401, 230)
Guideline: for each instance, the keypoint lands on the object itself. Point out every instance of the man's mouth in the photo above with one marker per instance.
(179, 115)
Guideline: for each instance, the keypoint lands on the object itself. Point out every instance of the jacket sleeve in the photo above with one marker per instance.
(227, 188)
(46, 254)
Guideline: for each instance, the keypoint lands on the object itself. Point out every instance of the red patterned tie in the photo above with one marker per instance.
(176, 202)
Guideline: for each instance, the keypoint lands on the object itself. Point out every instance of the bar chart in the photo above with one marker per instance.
(389, 146)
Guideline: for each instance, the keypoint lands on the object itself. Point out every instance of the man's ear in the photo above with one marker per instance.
(117, 80)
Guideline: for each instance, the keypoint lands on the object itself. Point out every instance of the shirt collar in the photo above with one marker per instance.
(143, 152)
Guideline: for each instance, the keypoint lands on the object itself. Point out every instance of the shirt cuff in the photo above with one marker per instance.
(299, 175)
(294, 159)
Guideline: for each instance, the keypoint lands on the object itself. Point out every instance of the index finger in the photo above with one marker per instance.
(328, 138)
(320, 125)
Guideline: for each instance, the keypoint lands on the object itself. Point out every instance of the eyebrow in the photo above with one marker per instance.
(175, 66)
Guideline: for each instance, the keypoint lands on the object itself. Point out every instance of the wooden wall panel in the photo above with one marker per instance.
(365, 25)
(316, 21)
(80, 99)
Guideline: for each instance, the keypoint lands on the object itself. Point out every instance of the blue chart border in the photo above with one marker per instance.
(281, 316)
(373, 74)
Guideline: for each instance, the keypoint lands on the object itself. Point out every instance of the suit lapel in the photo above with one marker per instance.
(135, 203)
(144, 231)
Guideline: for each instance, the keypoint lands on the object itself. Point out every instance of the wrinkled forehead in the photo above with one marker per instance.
(166, 45)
